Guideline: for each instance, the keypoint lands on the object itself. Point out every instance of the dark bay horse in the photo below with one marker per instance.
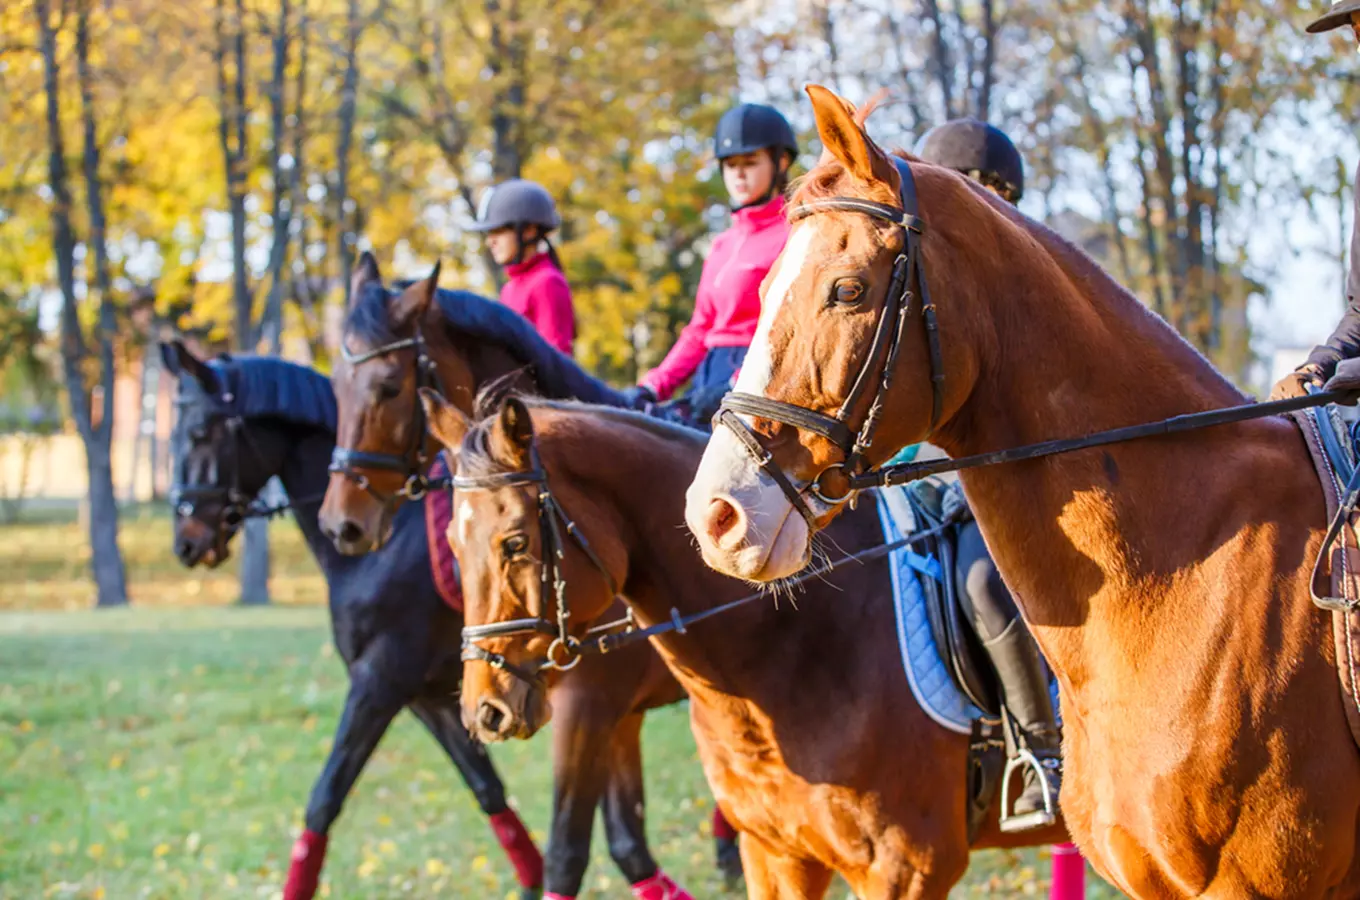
(1167, 580)
(808, 731)
(398, 638)
(395, 341)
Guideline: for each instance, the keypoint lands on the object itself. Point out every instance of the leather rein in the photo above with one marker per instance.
(908, 271)
(566, 651)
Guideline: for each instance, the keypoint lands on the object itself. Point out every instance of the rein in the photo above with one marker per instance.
(611, 635)
(904, 473)
(413, 463)
(857, 476)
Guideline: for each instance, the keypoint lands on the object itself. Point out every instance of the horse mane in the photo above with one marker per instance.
(475, 458)
(266, 387)
(555, 373)
(829, 179)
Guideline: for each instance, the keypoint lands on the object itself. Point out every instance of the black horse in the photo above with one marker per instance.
(244, 420)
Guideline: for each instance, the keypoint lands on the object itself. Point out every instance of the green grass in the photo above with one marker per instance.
(168, 753)
(44, 564)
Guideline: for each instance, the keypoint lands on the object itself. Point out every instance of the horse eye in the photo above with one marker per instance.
(848, 291)
(514, 545)
(389, 391)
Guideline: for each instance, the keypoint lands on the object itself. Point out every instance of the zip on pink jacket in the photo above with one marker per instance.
(538, 290)
(727, 305)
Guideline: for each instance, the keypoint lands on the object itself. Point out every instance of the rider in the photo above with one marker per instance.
(1345, 340)
(983, 153)
(517, 217)
(755, 147)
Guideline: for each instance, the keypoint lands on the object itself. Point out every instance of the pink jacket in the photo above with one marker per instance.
(727, 305)
(538, 291)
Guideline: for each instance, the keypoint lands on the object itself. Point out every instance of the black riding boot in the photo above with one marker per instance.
(1024, 681)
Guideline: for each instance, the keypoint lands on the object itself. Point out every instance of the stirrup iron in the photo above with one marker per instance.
(1011, 823)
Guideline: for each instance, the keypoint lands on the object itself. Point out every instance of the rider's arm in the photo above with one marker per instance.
(1345, 340)
(688, 351)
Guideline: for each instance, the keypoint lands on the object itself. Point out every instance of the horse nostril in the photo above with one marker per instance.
(350, 532)
(492, 717)
(184, 549)
(725, 524)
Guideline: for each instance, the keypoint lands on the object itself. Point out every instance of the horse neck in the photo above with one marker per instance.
(610, 460)
(303, 475)
(1072, 353)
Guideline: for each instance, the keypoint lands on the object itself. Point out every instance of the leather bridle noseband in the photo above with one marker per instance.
(565, 650)
(413, 463)
(887, 343)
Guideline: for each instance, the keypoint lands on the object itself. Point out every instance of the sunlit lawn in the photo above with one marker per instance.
(168, 753)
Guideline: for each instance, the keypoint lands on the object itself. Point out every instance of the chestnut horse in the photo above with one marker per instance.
(807, 728)
(469, 343)
(1167, 580)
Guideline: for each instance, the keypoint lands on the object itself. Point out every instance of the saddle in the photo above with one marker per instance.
(1335, 579)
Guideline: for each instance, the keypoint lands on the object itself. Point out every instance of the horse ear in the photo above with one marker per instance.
(365, 271)
(179, 360)
(410, 305)
(513, 434)
(447, 422)
(843, 137)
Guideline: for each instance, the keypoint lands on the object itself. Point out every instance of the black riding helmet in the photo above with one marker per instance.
(516, 204)
(978, 150)
(751, 127)
(1338, 15)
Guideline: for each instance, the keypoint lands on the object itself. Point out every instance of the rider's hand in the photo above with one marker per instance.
(1295, 384)
(639, 396)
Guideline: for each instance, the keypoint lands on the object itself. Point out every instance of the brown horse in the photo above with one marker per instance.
(807, 729)
(471, 342)
(1167, 580)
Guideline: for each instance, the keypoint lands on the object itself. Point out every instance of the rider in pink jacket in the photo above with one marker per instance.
(755, 146)
(517, 217)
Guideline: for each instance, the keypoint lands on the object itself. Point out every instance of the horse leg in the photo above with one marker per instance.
(624, 822)
(582, 727)
(770, 876)
(370, 706)
(443, 718)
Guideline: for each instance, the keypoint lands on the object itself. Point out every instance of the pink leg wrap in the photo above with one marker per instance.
(552, 896)
(304, 873)
(1069, 873)
(519, 847)
(659, 887)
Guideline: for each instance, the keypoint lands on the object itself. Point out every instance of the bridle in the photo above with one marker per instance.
(887, 344)
(234, 503)
(413, 462)
(565, 650)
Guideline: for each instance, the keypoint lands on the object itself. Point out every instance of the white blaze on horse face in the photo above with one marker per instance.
(759, 363)
(464, 523)
(776, 539)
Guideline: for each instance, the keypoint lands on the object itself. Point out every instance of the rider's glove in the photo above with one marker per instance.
(639, 396)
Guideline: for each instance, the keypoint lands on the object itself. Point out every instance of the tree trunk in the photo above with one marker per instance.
(940, 58)
(232, 135)
(349, 90)
(271, 326)
(106, 560)
(984, 101)
(506, 61)
(828, 26)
